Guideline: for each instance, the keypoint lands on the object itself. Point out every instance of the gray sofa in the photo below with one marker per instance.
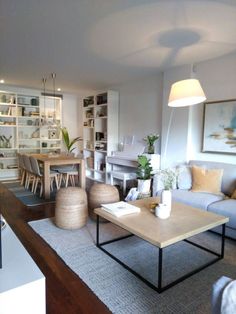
(219, 204)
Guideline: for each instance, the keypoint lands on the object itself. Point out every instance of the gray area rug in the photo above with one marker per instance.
(26, 196)
(121, 291)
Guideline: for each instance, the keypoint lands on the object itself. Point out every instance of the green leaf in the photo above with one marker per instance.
(69, 143)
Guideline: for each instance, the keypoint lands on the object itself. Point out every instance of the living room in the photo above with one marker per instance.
(149, 45)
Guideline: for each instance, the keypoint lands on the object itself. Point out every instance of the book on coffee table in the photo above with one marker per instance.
(120, 208)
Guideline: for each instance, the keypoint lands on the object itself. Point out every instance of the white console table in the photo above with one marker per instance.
(22, 284)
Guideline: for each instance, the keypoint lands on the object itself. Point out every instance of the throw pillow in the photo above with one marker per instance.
(206, 180)
(184, 179)
(234, 195)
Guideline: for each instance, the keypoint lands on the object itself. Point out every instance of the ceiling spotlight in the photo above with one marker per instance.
(59, 89)
(2, 81)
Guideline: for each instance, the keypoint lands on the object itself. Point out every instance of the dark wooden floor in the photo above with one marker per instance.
(65, 292)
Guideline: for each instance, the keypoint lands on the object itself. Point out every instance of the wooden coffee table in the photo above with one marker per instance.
(184, 222)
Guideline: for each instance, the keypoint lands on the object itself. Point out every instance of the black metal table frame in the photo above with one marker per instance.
(159, 288)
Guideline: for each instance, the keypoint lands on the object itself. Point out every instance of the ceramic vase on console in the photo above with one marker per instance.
(166, 199)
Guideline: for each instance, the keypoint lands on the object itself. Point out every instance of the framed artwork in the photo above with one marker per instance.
(219, 129)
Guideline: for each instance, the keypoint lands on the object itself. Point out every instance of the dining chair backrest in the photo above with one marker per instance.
(21, 161)
(35, 165)
(27, 163)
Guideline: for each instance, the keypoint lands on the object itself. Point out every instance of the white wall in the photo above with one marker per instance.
(218, 79)
(140, 108)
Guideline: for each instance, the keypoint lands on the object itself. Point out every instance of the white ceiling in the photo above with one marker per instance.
(94, 44)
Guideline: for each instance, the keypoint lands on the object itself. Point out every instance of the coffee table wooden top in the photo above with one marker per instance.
(185, 221)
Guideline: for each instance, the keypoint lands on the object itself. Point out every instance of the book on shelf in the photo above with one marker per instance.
(120, 208)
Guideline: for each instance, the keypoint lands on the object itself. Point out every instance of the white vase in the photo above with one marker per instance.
(144, 186)
(166, 198)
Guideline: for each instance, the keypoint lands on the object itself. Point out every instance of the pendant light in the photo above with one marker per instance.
(54, 96)
(44, 118)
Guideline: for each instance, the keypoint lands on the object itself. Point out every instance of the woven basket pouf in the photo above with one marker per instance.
(71, 208)
(101, 194)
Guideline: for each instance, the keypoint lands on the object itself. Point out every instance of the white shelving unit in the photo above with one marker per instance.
(100, 132)
(28, 124)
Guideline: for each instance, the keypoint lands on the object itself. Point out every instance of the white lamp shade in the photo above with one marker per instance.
(186, 93)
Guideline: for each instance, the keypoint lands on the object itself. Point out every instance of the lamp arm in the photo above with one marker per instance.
(167, 134)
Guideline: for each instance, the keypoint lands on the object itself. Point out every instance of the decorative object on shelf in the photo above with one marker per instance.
(35, 134)
(67, 141)
(220, 127)
(151, 139)
(53, 134)
(144, 174)
(5, 142)
(88, 101)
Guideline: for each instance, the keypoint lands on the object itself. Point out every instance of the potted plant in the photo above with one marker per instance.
(168, 179)
(67, 141)
(144, 173)
(151, 139)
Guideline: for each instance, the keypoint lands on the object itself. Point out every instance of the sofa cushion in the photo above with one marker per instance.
(225, 208)
(199, 200)
(184, 179)
(229, 175)
(206, 180)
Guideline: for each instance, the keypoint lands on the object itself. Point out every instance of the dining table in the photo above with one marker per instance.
(48, 160)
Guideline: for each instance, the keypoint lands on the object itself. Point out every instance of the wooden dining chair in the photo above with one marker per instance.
(30, 176)
(39, 176)
(22, 168)
(68, 175)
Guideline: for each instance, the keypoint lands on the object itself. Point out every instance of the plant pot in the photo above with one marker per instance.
(151, 149)
(166, 198)
(144, 186)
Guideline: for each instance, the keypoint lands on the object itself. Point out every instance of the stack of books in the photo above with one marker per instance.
(120, 208)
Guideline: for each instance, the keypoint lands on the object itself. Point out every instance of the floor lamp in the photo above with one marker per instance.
(183, 93)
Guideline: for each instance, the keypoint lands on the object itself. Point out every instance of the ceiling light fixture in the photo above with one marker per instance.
(44, 80)
(2, 81)
(54, 95)
(59, 89)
